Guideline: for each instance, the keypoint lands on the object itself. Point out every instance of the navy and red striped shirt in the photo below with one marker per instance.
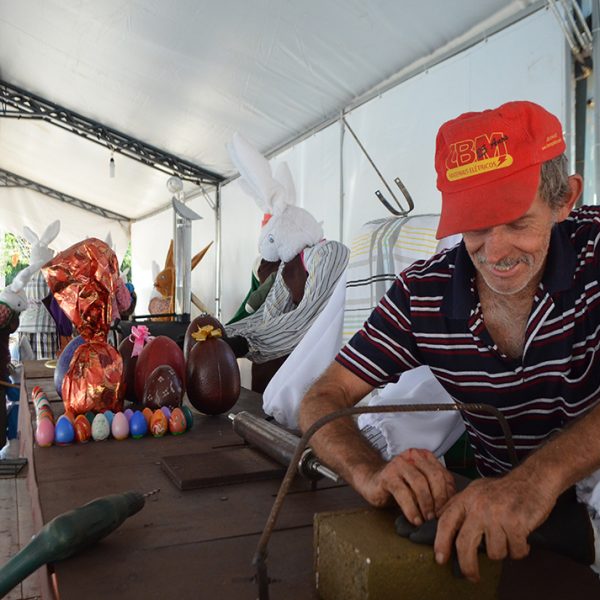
(432, 316)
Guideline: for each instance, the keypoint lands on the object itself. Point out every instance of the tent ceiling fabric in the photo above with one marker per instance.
(184, 75)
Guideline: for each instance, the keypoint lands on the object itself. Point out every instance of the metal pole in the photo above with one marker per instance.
(342, 132)
(218, 252)
(596, 75)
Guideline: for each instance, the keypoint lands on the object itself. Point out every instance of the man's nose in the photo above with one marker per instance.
(496, 245)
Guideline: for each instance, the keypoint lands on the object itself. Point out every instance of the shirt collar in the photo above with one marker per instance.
(459, 297)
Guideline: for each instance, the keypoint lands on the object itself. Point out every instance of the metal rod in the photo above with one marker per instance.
(561, 22)
(585, 30)
(260, 555)
(571, 20)
(596, 63)
(218, 244)
(385, 183)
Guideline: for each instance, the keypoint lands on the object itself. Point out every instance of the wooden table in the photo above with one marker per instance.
(193, 544)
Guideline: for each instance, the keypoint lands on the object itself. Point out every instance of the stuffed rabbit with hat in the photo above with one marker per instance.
(289, 228)
(37, 324)
(291, 241)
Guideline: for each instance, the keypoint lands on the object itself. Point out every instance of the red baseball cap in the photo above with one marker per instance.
(488, 164)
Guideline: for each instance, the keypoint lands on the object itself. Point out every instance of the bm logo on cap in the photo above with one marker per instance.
(477, 156)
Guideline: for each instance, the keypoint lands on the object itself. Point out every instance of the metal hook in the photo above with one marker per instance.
(399, 213)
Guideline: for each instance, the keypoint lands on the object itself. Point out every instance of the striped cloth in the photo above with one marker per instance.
(277, 327)
(36, 323)
(382, 249)
(432, 316)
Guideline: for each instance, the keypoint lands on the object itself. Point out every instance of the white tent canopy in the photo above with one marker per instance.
(183, 75)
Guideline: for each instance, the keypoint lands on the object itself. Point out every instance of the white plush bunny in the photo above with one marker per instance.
(290, 228)
(14, 296)
(39, 245)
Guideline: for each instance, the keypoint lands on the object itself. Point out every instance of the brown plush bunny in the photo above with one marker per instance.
(164, 282)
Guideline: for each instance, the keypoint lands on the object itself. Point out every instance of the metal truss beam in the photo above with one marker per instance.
(8, 179)
(18, 103)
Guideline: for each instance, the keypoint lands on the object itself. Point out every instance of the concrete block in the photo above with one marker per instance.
(359, 556)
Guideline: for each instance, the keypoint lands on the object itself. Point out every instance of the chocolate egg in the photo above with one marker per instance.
(89, 415)
(63, 362)
(44, 433)
(212, 377)
(128, 413)
(189, 417)
(100, 427)
(197, 323)
(167, 411)
(83, 429)
(129, 365)
(120, 426)
(138, 426)
(159, 351)
(177, 422)
(158, 424)
(64, 433)
(163, 388)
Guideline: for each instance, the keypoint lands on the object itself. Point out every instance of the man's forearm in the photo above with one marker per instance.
(567, 458)
(338, 443)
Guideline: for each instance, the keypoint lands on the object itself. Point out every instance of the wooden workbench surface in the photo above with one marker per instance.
(183, 544)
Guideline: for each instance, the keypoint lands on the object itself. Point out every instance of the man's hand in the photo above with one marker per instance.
(415, 479)
(504, 511)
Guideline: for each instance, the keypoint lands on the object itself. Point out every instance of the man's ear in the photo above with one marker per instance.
(575, 190)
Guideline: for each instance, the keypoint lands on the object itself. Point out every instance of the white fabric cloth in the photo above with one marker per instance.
(434, 431)
(381, 250)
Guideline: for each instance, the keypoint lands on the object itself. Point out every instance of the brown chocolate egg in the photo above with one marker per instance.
(129, 364)
(212, 376)
(197, 323)
(159, 351)
(163, 388)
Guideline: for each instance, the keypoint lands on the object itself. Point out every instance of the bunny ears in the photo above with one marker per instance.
(273, 193)
(47, 237)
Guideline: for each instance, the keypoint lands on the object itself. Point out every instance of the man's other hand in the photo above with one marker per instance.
(503, 511)
(416, 480)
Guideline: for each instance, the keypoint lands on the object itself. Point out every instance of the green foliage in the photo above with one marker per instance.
(126, 264)
(13, 245)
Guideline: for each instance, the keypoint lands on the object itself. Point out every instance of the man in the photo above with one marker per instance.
(509, 317)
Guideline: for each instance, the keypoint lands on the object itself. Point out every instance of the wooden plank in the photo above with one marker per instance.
(9, 532)
(222, 467)
(219, 568)
(30, 585)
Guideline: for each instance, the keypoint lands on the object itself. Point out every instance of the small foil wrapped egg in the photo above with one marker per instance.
(158, 424)
(44, 433)
(83, 429)
(100, 428)
(177, 422)
(64, 432)
(120, 426)
(137, 425)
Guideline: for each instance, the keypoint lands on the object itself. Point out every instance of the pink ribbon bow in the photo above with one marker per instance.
(140, 336)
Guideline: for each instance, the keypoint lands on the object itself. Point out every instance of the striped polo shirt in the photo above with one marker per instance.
(432, 316)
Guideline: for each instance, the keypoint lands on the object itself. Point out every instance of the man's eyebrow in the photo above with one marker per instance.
(523, 219)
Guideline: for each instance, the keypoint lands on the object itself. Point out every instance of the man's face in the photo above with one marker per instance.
(511, 257)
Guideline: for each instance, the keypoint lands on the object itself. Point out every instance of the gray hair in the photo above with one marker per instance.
(554, 182)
